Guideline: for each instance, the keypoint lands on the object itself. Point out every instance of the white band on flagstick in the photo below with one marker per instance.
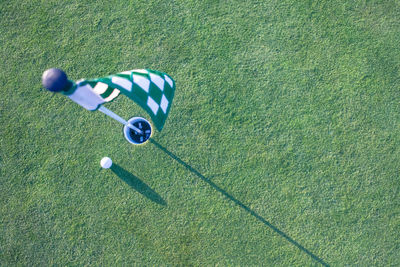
(118, 118)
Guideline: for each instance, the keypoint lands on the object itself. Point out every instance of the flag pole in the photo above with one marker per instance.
(118, 118)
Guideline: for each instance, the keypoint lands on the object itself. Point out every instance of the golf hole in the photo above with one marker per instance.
(132, 136)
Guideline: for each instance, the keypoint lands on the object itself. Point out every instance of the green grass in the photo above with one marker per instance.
(281, 148)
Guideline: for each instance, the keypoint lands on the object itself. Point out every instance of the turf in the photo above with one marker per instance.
(281, 148)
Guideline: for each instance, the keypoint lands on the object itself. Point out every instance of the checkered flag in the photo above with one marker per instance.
(152, 90)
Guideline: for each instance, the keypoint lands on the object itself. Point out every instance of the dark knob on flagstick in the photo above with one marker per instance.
(55, 80)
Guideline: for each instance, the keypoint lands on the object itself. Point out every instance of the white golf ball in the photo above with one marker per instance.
(106, 162)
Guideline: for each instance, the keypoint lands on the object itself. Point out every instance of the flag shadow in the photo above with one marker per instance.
(240, 204)
(137, 184)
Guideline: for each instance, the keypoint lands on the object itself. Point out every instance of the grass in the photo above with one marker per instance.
(282, 146)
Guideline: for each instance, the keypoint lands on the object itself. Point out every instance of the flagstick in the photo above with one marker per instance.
(118, 118)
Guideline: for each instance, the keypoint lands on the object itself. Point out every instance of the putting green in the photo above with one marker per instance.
(281, 147)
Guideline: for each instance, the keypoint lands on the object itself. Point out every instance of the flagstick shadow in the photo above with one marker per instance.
(137, 184)
(237, 202)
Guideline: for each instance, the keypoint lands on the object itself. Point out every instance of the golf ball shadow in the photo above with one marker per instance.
(134, 137)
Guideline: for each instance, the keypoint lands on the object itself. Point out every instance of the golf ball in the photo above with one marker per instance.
(106, 162)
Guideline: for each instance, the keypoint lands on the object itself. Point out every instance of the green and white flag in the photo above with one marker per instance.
(152, 90)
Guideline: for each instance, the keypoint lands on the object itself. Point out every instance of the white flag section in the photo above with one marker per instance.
(86, 97)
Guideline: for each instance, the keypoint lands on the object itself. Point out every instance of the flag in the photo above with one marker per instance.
(152, 90)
